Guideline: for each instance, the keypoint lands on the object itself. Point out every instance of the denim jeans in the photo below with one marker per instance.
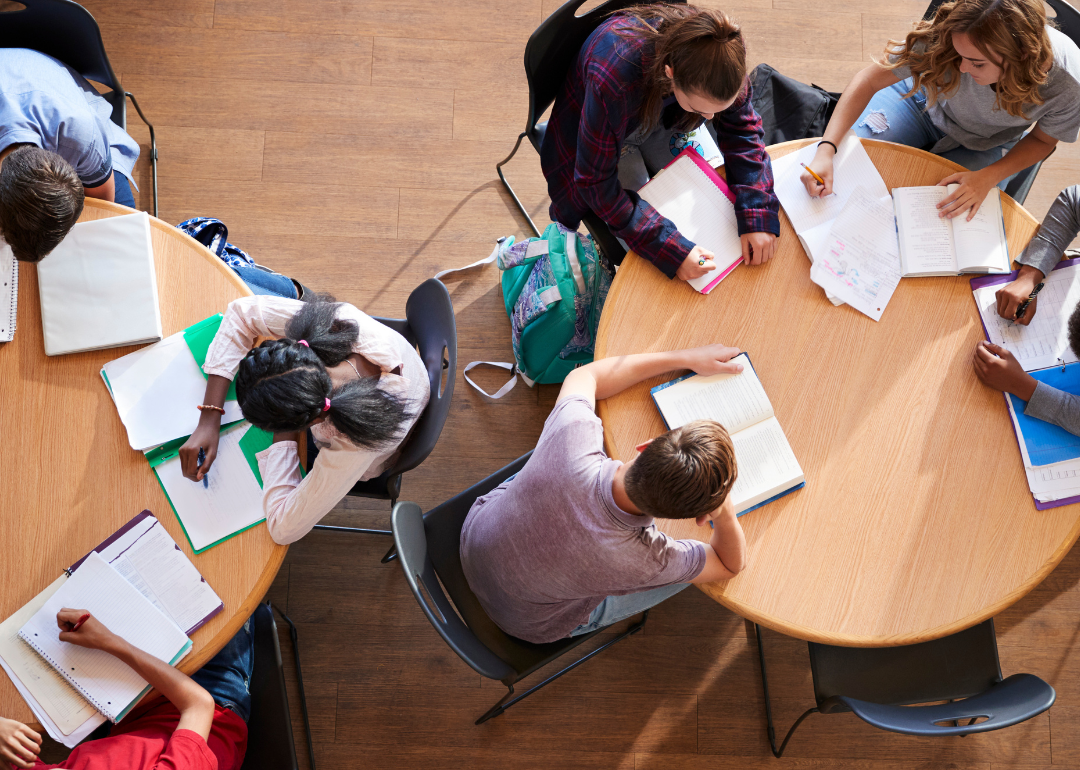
(263, 281)
(228, 674)
(892, 118)
(616, 608)
(123, 194)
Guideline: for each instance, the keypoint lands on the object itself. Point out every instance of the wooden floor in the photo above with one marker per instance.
(352, 144)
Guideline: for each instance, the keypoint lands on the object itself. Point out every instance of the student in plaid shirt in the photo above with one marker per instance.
(642, 77)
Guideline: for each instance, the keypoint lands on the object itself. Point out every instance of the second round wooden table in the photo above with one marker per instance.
(916, 520)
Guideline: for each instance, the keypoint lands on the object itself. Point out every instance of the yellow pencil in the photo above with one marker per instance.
(820, 181)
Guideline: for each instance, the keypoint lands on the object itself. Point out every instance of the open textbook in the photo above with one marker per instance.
(931, 244)
(861, 261)
(767, 465)
(812, 218)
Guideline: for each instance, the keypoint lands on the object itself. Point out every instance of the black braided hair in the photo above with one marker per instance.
(282, 386)
(1074, 330)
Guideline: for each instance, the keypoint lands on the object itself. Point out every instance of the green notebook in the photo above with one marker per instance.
(198, 338)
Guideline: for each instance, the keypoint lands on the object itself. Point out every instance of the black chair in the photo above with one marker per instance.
(550, 52)
(428, 546)
(1068, 21)
(66, 31)
(881, 684)
(429, 324)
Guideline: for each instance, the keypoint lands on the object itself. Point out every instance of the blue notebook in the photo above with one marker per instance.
(1044, 442)
(739, 403)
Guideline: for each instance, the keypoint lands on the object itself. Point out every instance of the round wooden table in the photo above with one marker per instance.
(916, 520)
(70, 477)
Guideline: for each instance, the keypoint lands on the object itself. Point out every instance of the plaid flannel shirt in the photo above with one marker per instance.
(592, 116)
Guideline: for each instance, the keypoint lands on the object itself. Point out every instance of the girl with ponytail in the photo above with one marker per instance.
(644, 78)
(328, 367)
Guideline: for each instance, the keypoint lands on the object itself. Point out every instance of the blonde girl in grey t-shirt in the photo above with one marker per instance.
(966, 86)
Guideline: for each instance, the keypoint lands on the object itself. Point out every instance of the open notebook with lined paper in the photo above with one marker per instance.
(107, 683)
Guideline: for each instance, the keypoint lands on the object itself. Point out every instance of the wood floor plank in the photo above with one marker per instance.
(481, 20)
(879, 29)
(416, 63)
(268, 105)
(348, 757)
(222, 54)
(220, 154)
(709, 762)
(176, 13)
(461, 215)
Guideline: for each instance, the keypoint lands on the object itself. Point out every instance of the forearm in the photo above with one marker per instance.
(1028, 151)
(217, 387)
(1060, 225)
(196, 706)
(729, 542)
(614, 375)
(854, 99)
(1054, 406)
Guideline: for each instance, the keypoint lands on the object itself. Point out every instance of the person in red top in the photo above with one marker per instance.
(197, 723)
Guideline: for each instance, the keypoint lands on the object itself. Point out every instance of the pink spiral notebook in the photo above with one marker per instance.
(699, 202)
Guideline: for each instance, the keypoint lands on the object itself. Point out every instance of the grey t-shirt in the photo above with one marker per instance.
(544, 549)
(969, 118)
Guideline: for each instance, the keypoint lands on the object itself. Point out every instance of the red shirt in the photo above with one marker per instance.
(147, 739)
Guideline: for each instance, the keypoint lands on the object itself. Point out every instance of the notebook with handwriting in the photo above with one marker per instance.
(768, 468)
(698, 201)
(108, 684)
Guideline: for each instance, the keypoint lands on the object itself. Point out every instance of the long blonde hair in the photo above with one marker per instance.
(1012, 30)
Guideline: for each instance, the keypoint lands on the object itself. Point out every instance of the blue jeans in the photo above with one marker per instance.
(616, 608)
(227, 675)
(892, 118)
(123, 194)
(263, 281)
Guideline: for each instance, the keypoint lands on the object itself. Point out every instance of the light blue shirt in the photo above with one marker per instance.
(45, 103)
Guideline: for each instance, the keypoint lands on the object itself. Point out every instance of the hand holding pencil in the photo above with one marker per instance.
(817, 176)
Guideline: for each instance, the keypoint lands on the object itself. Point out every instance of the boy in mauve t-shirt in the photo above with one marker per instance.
(197, 723)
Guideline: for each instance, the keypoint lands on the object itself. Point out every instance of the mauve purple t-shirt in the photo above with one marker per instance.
(544, 549)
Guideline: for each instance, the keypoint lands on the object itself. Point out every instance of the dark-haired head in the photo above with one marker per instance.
(283, 385)
(1074, 330)
(41, 198)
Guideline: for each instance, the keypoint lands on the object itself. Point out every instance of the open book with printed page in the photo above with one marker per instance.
(933, 245)
(767, 465)
(690, 193)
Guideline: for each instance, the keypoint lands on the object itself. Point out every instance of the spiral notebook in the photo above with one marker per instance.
(9, 292)
(109, 685)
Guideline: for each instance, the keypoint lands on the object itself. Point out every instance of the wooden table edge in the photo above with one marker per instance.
(802, 632)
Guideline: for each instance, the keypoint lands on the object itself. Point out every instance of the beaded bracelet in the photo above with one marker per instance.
(204, 407)
(835, 149)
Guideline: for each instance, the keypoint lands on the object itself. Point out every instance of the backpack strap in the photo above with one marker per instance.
(507, 386)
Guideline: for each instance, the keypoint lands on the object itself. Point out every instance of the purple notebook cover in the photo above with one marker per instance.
(993, 280)
(116, 536)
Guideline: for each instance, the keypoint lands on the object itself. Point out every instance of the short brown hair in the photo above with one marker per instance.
(41, 198)
(685, 473)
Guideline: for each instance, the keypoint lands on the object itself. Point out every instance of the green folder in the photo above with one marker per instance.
(198, 338)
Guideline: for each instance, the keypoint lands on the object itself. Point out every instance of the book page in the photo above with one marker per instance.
(926, 239)
(767, 464)
(9, 292)
(1045, 341)
(232, 501)
(103, 679)
(852, 168)
(862, 264)
(736, 401)
(60, 701)
(980, 244)
(701, 211)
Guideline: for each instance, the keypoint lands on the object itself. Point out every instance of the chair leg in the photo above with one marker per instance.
(300, 679)
(768, 704)
(153, 147)
(506, 702)
(498, 167)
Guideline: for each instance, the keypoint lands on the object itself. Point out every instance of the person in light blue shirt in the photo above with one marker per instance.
(46, 105)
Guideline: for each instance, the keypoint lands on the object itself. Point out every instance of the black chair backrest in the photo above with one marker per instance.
(432, 328)
(554, 46)
(66, 31)
(270, 737)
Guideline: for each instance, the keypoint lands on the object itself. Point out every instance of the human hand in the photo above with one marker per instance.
(759, 246)
(974, 185)
(822, 165)
(698, 262)
(92, 633)
(205, 438)
(18, 743)
(999, 369)
(713, 359)
(1012, 295)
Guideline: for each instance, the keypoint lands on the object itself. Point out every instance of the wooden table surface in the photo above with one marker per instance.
(916, 520)
(71, 479)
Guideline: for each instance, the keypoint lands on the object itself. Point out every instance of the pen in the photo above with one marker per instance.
(820, 181)
(79, 622)
(202, 459)
(1024, 305)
